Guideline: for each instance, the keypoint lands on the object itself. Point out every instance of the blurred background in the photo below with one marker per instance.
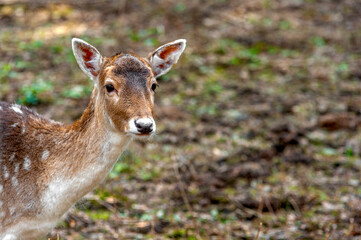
(259, 122)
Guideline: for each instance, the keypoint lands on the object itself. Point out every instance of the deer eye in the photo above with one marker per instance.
(110, 88)
(154, 86)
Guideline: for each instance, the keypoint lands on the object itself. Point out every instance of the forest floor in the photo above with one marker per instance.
(258, 124)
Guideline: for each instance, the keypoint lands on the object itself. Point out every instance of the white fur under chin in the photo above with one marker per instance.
(63, 193)
(32, 229)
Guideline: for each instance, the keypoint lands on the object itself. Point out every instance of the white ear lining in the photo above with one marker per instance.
(183, 41)
(95, 62)
(172, 59)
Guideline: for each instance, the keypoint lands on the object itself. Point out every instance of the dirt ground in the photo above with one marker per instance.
(259, 122)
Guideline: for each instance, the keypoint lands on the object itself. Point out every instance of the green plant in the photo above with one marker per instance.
(36, 93)
(180, 7)
(285, 25)
(148, 36)
(349, 152)
(31, 46)
(99, 214)
(318, 41)
(6, 71)
(119, 168)
(77, 92)
(149, 174)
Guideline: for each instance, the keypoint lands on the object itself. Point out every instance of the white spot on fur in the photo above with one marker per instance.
(29, 205)
(1, 188)
(16, 170)
(12, 157)
(1, 108)
(6, 173)
(12, 210)
(15, 125)
(27, 163)
(10, 237)
(1, 203)
(23, 129)
(14, 181)
(45, 155)
(2, 215)
(40, 140)
(16, 108)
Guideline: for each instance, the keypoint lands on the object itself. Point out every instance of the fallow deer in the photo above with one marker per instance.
(45, 166)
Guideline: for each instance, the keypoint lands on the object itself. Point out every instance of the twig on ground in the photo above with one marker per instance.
(259, 231)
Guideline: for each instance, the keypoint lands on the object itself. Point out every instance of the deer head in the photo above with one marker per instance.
(125, 84)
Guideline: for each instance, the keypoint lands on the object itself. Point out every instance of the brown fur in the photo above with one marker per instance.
(13, 140)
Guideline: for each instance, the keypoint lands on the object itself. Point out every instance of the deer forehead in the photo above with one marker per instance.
(130, 71)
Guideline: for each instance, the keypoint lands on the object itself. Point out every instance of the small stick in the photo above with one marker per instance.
(259, 230)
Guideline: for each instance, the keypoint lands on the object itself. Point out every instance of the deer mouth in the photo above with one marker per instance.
(140, 135)
(143, 134)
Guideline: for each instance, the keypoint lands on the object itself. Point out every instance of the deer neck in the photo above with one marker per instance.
(90, 149)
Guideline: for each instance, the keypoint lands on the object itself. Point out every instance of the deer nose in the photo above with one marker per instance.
(144, 125)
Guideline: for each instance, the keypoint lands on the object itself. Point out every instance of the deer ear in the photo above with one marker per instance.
(88, 57)
(166, 56)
